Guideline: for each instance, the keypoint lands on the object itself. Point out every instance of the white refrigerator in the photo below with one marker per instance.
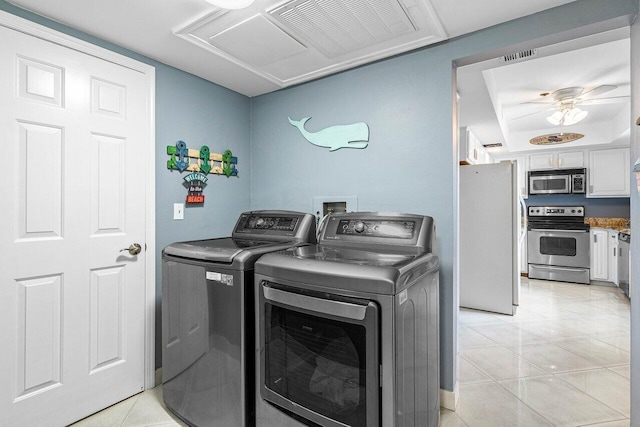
(491, 227)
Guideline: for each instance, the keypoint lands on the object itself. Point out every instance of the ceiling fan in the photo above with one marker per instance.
(564, 101)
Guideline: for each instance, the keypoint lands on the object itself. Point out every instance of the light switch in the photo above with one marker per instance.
(178, 211)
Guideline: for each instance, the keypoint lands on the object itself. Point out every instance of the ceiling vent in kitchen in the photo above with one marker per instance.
(336, 27)
(519, 56)
(493, 145)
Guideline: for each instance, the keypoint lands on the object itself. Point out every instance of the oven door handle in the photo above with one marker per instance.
(555, 267)
(559, 231)
(318, 305)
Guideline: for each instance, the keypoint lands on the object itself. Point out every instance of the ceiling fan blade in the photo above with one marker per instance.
(606, 100)
(598, 90)
(535, 112)
(537, 102)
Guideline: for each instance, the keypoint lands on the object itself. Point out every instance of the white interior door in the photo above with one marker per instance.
(72, 306)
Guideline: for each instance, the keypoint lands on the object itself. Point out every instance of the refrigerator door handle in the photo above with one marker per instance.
(523, 216)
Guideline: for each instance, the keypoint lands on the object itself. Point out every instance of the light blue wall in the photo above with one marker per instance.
(409, 165)
(198, 112)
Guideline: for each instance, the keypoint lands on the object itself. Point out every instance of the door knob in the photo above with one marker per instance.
(134, 249)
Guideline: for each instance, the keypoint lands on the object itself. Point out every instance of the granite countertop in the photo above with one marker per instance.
(617, 224)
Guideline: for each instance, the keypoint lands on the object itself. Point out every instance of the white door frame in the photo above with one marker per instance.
(31, 28)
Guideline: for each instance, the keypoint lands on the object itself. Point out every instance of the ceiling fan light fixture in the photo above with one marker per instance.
(231, 4)
(556, 118)
(574, 116)
(567, 116)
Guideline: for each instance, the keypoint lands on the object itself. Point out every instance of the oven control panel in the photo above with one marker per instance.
(556, 211)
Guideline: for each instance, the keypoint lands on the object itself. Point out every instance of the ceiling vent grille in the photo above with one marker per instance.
(493, 145)
(337, 27)
(519, 56)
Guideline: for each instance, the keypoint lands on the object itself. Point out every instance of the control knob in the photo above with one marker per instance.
(260, 222)
(359, 227)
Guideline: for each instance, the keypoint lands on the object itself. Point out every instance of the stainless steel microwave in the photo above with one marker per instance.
(557, 181)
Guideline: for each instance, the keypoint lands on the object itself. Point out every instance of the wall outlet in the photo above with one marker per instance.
(178, 211)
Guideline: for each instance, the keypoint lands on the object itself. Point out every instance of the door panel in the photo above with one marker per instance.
(72, 305)
(39, 309)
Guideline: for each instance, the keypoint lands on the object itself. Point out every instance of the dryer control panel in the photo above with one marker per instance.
(377, 228)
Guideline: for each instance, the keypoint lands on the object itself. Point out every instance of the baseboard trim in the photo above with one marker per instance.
(449, 399)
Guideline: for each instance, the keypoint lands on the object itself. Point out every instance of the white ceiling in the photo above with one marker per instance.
(273, 43)
(494, 95)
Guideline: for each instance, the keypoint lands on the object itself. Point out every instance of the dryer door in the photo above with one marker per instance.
(320, 356)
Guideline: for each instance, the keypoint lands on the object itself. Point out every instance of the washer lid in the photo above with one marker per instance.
(222, 250)
(352, 256)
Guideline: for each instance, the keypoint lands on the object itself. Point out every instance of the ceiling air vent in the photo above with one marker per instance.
(519, 56)
(337, 27)
(493, 145)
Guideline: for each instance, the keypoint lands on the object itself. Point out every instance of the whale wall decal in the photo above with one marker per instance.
(355, 135)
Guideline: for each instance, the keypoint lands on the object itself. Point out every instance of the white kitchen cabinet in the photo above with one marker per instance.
(599, 254)
(471, 150)
(609, 173)
(604, 255)
(612, 255)
(541, 161)
(468, 149)
(570, 160)
(562, 160)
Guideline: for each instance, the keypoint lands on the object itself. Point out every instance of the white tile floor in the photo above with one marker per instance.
(562, 360)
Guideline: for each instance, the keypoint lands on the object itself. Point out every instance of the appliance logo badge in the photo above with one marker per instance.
(402, 296)
(225, 279)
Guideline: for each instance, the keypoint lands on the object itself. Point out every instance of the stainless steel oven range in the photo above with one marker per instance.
(347, 330)
(558, 243)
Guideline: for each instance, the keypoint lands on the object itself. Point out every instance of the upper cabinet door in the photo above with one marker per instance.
(471, 150)
(563, 160)
(609, 173)
(570, 160)
(541, 161)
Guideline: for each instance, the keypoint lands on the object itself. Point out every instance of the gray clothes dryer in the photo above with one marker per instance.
(208, 321)
(348, 330)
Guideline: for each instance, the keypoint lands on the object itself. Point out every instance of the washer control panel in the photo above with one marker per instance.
(376, 228)
(257, 222)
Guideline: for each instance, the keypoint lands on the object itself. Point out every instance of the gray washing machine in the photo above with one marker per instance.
(207, 317)
(347, 330)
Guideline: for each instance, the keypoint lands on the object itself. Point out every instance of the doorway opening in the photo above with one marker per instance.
(501, 104)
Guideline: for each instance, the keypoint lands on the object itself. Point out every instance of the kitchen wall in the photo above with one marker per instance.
(409, 165)
(601, 207)
(198, 112)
